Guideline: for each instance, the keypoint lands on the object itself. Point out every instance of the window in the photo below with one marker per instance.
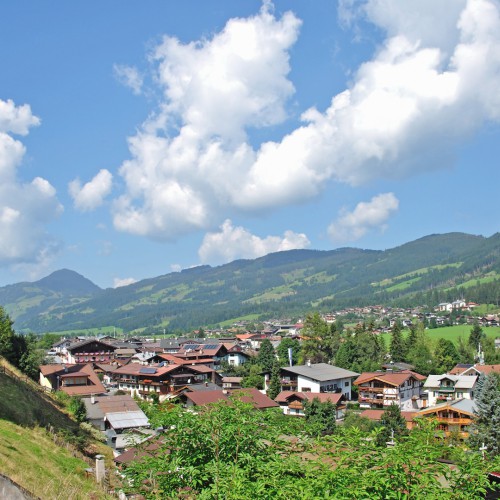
(346, 384)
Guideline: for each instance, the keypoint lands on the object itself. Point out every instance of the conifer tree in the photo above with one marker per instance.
(274, 384)
(397, 348)
(266, 356)
(486, 427)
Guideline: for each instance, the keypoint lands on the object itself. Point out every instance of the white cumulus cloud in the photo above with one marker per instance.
(232, 243)
(119, 282)
(25, 207)
(432, 82)
(351, 226)
(91, 195)
(129, 76)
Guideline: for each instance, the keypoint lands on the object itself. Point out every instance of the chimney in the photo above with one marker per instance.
(92, 399)
(308, 362)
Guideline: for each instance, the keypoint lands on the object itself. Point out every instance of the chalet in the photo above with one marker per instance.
(162, 379)
(292, 403)
(88, 351)
(315, 377)
(74, 380)
(452, 416)
(382, 389)
(449, 387)
(253, 396)
(192, 350)
(479, 369)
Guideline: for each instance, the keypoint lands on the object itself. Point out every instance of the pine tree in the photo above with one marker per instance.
(275, 383)
(398, 347)
(445, 356)
(266, 356)
(486, 427)
(476, 336)
(7, 348)
(394, 424)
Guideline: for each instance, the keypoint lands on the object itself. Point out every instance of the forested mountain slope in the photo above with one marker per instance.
(430, 269)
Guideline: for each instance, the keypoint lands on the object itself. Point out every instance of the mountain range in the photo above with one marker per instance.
(425, 271)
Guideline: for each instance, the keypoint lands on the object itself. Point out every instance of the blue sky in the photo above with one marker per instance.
(137, 139)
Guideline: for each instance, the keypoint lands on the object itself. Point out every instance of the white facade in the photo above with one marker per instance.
(442, 388)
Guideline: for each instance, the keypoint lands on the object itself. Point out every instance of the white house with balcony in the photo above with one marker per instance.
(443, 388)
(315, 377)
(382, 389)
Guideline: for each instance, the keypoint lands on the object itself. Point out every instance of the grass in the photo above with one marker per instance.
(31, 458)
(103, 330)
(451, 333)
(48, 464)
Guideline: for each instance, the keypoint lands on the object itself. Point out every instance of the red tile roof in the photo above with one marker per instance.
(391, 378)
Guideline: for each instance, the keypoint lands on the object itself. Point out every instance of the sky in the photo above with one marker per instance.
(142, 138)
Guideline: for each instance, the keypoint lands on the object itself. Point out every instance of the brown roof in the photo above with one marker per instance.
(377, 414)
(110, 404)
(487, 369)
(391, 378)
(95, 386)
(284, 396)
(134, 369)
(251, 395)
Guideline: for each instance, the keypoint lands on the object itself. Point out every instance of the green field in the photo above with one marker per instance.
(90, 332)
(451, 333)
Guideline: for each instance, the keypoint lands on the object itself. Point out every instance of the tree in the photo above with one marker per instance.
(486, 427)
(6, 336)
(254, 378)
(394, 424)
(282, 351)
(445, 356)
(476, 336)
(266, 357)
(398, 347)
(77, 408)
(275, 382)
(313, 333)
(320, 416)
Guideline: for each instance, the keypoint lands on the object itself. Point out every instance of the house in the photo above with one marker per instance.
(193, 350)
(88, 351)
(162, 379)
(292, 403)
(479, 369)
(376, 416)
(315, 377)
(74, 380)
(452, 416)
(253, 396)
(117, 412)
(236, 356)
(448, 387)
(382, 389)
(231, 382)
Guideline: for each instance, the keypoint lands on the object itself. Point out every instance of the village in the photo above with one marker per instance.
(112, 376)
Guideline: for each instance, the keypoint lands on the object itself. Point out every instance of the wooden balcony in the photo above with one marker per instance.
(378, 390)
(289, 383)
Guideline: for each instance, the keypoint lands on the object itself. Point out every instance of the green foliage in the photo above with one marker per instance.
(476, 336)
(393, 425)
(77, 408)
(6, 337)
(445, 356)
(320, 416)
(398, 347)
(282, 351)
(266, 356)
(274, 383)
(231, 451)
(486, 427)
(254, 378)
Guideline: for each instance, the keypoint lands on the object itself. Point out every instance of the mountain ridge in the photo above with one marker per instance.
(281, 283)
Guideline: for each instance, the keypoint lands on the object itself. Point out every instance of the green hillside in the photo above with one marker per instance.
(47, 464)
(426, 271)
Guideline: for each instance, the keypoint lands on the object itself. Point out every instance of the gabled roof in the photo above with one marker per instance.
(460, 381)
(286, 396)
(484, 369)
(254, 396)
(127, 419)
(76, 345)
(391, 378)
(320, 371)
(467, 406)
